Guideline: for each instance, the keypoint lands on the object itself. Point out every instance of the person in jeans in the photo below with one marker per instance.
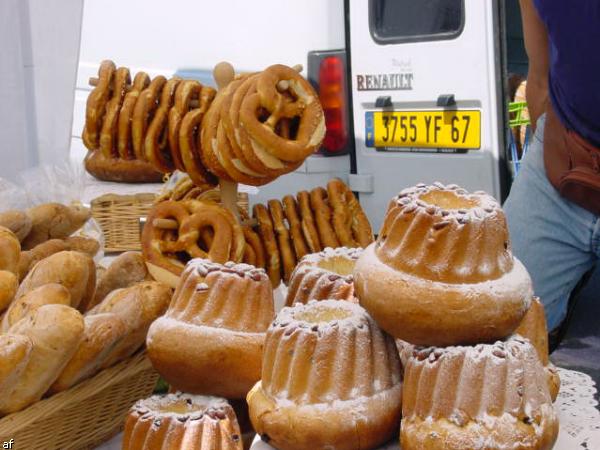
(553, 220)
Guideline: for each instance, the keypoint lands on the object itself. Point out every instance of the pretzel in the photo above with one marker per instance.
(248, 151)
(265, 230)
(254, 243)
(96, 105)
(291, 214)
(298, 101)
(288, 258)
(142, 114)
(187, 91)
(237, 240)
(124, 146)
(208, 139)
(350, 222)
(235, 167)
(190, 154)
(309, 229)
(156, 141)
(162, 245)
(322, 211)
(108, 133)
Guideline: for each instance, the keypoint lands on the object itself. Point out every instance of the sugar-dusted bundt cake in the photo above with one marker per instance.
(211, 338)
(487, 396)
(533, 327)
(441, 271)
(327, 274)
(181, 422)
(330, 379)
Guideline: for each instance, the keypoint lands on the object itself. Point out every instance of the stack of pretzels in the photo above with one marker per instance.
(259, 127)
(137, 131)
(277, 237)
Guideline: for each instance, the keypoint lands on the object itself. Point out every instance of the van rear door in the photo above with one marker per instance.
(427, 90)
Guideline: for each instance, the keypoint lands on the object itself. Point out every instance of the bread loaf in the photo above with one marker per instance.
(53, 220)
(74, 270)
(16, 221)
(82, 244)
(15, 351)
(55, 332)
(47, 294)
(127, 269)
(138, 306)
(102, 333)
(8, 288)
(10, 250)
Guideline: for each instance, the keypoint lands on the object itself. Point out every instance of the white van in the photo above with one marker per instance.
(413, 91)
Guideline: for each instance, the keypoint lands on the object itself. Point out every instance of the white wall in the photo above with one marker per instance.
(38, 62)
(163, 37)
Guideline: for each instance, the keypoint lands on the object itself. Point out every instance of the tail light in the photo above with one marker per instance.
(327, 72)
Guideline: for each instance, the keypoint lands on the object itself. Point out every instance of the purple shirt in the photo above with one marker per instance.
(574, 83)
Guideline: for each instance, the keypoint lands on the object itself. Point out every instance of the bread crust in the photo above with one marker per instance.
(424, 312)
(10, 251)
(54, 221)
(74, 270)
(16, 221)
(15, 351)
(55, 331)
(354, 424)
(8, 288)
(121, 170)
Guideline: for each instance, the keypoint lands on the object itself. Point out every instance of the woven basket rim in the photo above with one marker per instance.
(15, 422)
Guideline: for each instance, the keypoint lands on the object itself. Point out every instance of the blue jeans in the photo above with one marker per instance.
(557, 240)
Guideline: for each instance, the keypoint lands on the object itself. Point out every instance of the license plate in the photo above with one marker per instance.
(423, 129)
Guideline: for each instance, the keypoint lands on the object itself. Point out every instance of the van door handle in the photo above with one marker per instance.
(446, 100)
(384, 101)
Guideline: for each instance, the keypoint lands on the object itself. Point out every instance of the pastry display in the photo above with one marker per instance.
(441, 271)
(533, 327)
(211, 338)
(483, 396)
(175, 232)
(324, 275)
(181, 421)
(330, 379)
(55, 332)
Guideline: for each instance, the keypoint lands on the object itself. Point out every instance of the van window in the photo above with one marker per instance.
(396, 21)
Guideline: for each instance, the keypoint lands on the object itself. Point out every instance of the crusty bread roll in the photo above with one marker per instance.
(15, 351)
(16, 221)
(10, 250)
(103, 332)
(30, 258)
(121, 170)
(47, 294)
(74, 270)
(138, 306)
(55, 331)
(53, 220)
(127, 269)
(8, 288)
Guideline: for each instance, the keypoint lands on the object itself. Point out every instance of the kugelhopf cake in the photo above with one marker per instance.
(324, 275)
(487, 396)
(534, 328)
(330, 379)
(441, 271)
(211, 338)
(181, 422)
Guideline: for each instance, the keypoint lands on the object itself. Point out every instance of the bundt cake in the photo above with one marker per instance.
(441, 271)
(181, 422)
(487, 396)
(330, 379)
(210, 340)
(327, 274)
(534, 328)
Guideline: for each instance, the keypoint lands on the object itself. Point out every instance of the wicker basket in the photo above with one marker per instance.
(85, 415)
(119, 217)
